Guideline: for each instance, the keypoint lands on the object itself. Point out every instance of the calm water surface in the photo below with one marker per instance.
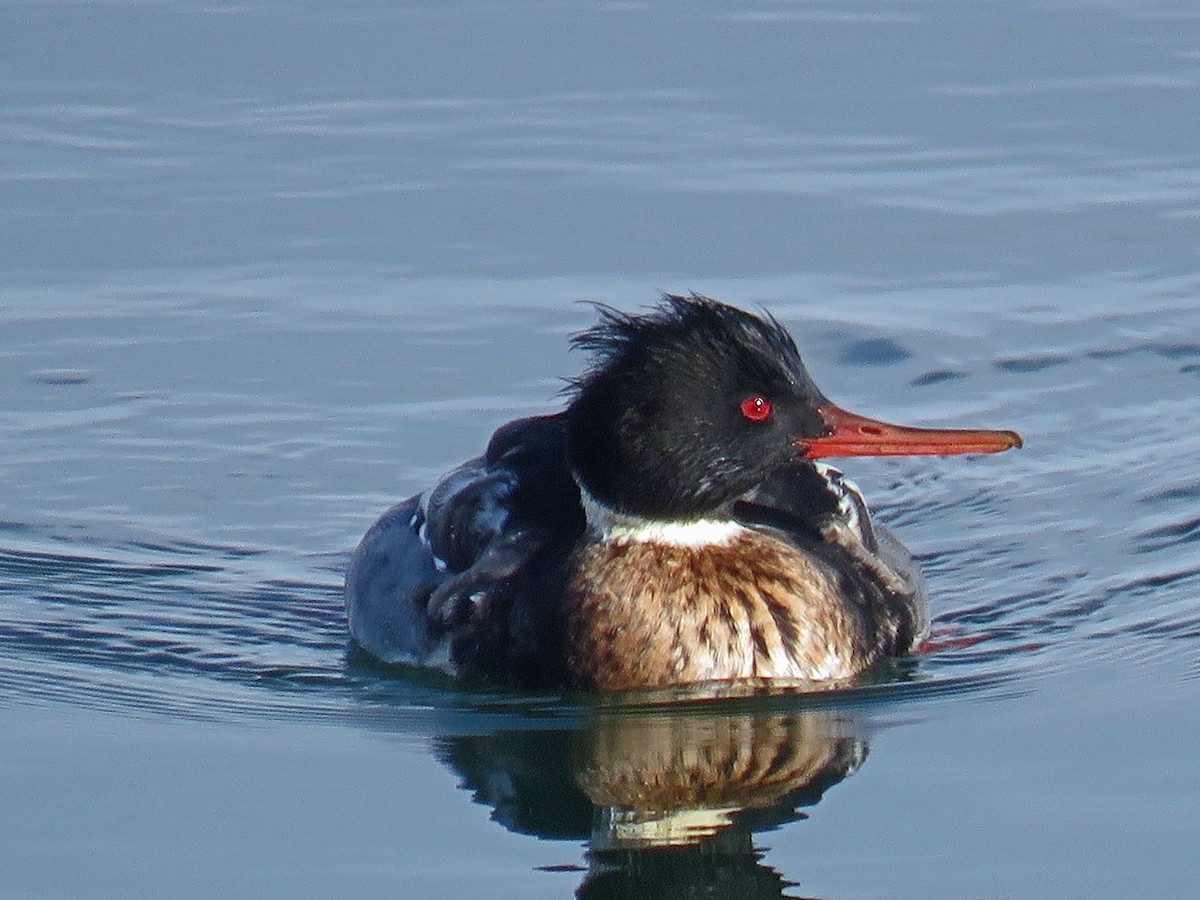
(267, 268)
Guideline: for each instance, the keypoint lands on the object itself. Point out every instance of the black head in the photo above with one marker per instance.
(687, 407)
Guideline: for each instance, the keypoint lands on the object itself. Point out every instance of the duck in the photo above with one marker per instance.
(675, 524)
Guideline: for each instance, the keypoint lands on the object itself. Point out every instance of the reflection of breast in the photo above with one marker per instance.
(669, 780)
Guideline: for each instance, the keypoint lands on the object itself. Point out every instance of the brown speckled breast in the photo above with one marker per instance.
(646, 614)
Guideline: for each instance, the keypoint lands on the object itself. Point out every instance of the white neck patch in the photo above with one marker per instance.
(611, 525)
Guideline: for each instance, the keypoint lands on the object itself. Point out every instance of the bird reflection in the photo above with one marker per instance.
(668, 800)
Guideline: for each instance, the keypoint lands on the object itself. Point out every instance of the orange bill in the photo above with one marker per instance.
(853, 435)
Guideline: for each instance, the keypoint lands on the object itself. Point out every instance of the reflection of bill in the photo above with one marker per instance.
(668, 799)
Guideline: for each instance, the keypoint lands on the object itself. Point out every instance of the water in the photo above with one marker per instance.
(269, 267)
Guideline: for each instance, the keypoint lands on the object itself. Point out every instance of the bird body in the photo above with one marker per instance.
(673, 525)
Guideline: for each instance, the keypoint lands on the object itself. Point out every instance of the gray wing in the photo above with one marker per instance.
(429, 563)
(899, 562)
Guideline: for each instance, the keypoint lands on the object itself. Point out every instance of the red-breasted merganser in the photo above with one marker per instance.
(672, 525)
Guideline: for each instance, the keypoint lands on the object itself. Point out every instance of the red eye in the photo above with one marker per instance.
(756, 408)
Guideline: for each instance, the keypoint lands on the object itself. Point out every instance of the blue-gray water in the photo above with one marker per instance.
(267, 267)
